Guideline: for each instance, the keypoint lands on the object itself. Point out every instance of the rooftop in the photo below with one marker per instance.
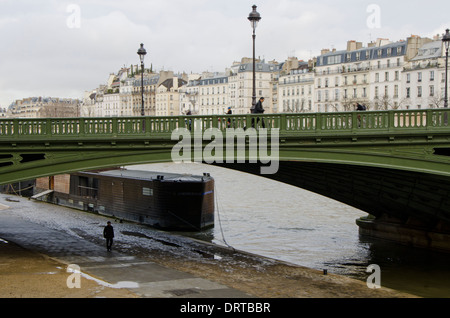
(151, 175)
(429, 51)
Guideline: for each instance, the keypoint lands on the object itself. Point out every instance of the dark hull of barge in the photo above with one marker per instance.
(161, 200)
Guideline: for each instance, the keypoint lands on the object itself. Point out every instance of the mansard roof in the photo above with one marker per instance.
(217, 79)
(430, 50)
(260, 67)
(363, 54)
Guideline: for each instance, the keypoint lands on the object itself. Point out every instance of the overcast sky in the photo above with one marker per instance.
(64, 48)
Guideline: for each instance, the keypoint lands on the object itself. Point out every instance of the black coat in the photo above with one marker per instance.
(258, 108)
(108, 232)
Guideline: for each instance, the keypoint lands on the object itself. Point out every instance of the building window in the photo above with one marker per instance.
(419, 91)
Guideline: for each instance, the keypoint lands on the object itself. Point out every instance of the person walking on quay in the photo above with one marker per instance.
(258, 110)
(108, 234)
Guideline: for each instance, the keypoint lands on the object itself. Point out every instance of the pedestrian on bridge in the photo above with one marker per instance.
(360, 107)
(229, 112)
(258, 109)
(108, 234)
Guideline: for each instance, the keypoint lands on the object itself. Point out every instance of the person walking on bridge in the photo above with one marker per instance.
(258, 109)
(108, 234)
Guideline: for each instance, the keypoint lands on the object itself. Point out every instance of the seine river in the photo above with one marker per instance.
(276, 220)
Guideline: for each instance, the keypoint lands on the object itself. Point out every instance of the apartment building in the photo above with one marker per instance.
(131, 95)
(424, 77)
(213, 94)
(240, 83)
(296, 88)
(368, 75)
(44, 107)
(189, 95)
(168, 97)
(384, 75)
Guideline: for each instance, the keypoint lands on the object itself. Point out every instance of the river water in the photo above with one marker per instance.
(287, 223)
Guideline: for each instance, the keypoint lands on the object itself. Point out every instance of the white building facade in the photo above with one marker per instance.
(424, 77)
(370, 76)
(213, 95)
(240, 83)
(296, 91)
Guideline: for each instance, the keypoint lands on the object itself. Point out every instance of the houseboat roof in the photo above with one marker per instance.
(152, 175)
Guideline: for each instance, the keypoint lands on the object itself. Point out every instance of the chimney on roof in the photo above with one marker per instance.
(353, 45)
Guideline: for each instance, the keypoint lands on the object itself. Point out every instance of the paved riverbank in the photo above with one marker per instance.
(143, 263)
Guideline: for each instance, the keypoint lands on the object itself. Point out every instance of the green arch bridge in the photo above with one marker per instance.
(394, 165)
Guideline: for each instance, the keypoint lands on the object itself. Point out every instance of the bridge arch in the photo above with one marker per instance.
(393, 163)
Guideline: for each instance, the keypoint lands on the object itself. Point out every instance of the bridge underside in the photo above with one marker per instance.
(377, 191)
(408, 207)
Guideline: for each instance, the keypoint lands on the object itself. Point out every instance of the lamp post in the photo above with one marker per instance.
(446, 40)
(142, 52)
(254, 18)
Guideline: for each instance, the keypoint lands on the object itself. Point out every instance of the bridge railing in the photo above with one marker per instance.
(302, 123)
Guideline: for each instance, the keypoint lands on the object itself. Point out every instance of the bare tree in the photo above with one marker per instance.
(436, 101)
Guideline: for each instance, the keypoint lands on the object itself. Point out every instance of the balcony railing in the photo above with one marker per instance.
(48, 129)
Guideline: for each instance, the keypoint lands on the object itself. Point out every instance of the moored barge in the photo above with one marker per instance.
(163, 200)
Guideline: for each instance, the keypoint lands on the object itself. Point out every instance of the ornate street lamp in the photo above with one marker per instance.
(142, 52)
(446, 40)
(254, 18)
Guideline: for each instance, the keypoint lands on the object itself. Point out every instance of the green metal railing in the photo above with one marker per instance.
(303, 123)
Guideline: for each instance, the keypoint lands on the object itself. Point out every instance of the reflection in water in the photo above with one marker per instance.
(280, 221)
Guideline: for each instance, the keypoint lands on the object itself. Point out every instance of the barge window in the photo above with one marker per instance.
(147, 191)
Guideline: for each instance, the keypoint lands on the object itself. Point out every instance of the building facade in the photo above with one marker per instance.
(213, 94)
(296, 89)
(240, 83)
(371, 76)
(407, 74)
(424, 77)
(44, 107)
